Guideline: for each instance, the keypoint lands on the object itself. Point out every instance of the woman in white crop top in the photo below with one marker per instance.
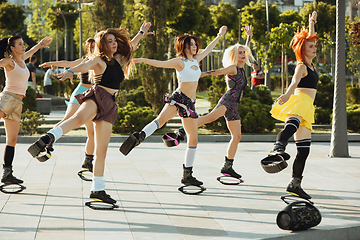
(12, 59)
(182, 101)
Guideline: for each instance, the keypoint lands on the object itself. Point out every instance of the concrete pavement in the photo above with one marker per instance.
(145, 185)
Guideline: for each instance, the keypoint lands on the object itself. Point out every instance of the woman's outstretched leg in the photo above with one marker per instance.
(86, 111)
(167, 113)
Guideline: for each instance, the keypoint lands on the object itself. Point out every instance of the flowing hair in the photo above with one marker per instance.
(88, 44)
(124, 48)
(298, 43)
(232, 52)
(183, 41)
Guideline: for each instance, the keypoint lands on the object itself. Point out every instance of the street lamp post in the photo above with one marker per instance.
(267, 73)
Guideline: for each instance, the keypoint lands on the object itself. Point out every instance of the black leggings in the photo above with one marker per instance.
(303, 150)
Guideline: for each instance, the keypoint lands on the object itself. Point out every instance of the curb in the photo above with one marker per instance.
(202, 138)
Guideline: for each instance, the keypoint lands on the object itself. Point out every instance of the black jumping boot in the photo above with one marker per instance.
(101, 196)
(7, 176)
(279, 148)
(88, 162)
(294, 188)
(132, 141)
(45, 141)
(180, 132)
(188, 179)
(227, 168)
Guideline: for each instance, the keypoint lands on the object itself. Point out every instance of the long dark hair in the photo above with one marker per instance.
(183, 41)
(5, 43)
(124, 48)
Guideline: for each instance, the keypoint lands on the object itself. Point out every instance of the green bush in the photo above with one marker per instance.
(264, 95)
(248, 93)
(322, 115)
(132, 118)
(204, 83)
(30, 122)
(325, 92)
(29, 101)
(216, 90)
(255, 118)
(353, 117)
(275, 82)
(136, 95)
(132, 83)
(353, 95)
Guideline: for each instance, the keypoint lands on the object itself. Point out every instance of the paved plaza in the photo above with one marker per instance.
(145, 186)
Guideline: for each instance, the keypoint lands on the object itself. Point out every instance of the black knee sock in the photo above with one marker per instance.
(9, 156)
(303, 150)
(291, 126)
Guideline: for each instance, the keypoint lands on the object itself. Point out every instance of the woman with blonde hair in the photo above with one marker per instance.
(182, 101)
(297, 111)
(110, 63)
(234, 60)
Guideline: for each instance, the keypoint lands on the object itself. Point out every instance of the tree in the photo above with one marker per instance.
(107, 14)
(11, 18)
(290, 16)
(193, 18)
(353, 53)
(326, 17)
(339, 140)
(225, 14)
(36, 28)
(154, 46)
(280, 38)
(255, 15)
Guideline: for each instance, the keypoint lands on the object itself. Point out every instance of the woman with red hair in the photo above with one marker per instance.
(297, 111)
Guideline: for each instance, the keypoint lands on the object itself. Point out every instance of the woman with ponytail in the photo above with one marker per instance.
(297, 111)
(12, 60)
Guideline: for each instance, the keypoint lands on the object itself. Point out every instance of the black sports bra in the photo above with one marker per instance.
(310, 80)
(84, 78)
(112, 77)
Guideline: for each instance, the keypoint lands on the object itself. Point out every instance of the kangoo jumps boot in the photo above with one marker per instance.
(180, 132)
(88, 162)
(45, 141)
(188, 179)
(132, 141)
(294, 188)
(101, 196)
(279, 148)
(7, 176)
(227, 168)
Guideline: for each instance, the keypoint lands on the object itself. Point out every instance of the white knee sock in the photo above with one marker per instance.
(98, 184)
(190, 156)
(151, 128)
(57, 132)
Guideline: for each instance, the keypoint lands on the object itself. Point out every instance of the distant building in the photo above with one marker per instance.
(24, 4)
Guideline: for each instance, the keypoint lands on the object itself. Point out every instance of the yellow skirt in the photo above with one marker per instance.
(301, 105)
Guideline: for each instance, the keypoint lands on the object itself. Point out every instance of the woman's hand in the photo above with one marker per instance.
(313, 16)
(45, 65)
(222, 30)
(45, 41)
(65, 75)
(145, 28)
(248, 30)
(283, 99)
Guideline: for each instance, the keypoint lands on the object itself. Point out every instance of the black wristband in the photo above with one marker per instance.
(142, 32)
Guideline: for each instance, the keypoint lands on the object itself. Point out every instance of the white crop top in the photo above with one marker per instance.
(190, 73)
(17, 80)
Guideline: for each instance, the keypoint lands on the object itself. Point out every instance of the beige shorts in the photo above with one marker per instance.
(11, 104)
